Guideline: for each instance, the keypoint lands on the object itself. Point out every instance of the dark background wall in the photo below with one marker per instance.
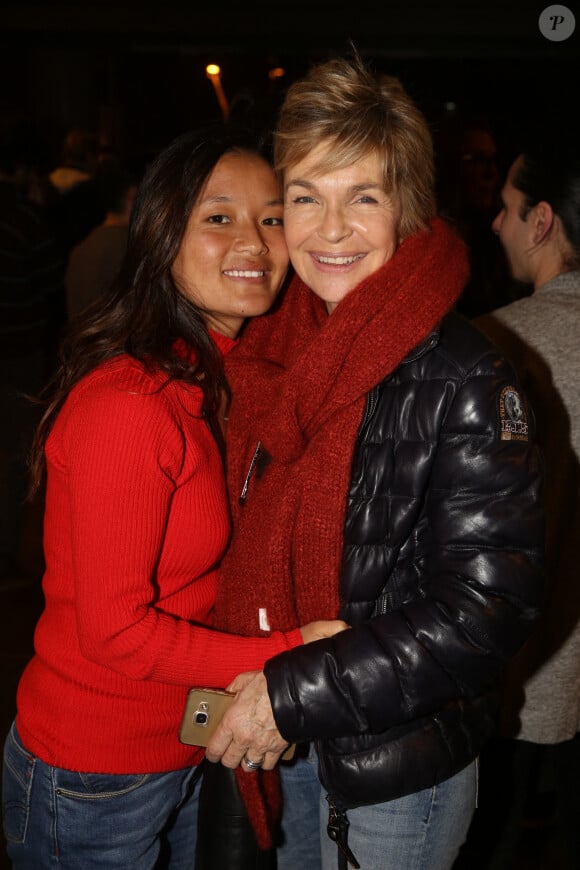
(135, 71)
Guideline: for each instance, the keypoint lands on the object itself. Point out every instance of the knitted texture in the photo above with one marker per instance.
(299, 380)
(136, 521)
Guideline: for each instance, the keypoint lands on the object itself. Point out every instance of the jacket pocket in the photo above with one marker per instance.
(19, 766)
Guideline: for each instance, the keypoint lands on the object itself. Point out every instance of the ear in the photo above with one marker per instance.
(542, 220)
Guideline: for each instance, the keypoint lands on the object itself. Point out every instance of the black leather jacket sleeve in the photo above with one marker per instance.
(463, 571)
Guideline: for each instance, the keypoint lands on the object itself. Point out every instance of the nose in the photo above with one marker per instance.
(252, 240)
(334, 225)
(497, 222)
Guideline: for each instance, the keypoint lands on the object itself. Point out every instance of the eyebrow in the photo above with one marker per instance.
(219, 199)
(356, 188)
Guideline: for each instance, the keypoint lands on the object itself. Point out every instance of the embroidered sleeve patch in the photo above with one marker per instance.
(513, 417)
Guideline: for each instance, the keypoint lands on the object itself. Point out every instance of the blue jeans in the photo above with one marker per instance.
(56, 818)
(422, 831)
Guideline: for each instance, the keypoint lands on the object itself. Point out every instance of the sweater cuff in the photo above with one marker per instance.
(293, 638)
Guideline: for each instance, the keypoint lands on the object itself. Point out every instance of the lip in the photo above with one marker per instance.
(335, 261)
(246, 272)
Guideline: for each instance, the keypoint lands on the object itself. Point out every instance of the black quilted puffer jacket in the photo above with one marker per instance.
(441, 582)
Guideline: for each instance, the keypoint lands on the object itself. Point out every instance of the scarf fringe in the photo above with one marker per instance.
(262, 796)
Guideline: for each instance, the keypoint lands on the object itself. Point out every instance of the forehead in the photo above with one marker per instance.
(476, 140)
(320, 165)
(239, 174)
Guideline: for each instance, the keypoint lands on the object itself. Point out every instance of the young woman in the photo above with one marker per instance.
(137, 520)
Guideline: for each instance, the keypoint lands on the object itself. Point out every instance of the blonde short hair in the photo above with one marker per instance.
(341, 102)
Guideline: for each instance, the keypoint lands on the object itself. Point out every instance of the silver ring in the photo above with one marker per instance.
(252, 765)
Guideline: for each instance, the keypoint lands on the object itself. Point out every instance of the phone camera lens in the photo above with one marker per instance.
(201, 717)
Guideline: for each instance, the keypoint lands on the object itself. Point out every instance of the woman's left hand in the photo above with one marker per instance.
(248, 730)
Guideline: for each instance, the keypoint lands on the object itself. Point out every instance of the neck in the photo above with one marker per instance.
(551, 256)
(548, 269)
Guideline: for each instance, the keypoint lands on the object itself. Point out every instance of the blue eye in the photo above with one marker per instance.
(302, 199)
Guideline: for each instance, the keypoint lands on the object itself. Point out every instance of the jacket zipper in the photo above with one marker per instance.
(338, 823)
(337, 830)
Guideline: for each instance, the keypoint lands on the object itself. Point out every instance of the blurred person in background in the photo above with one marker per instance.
(539, 227)
(94, 262)
(31, 294)
(468, 187)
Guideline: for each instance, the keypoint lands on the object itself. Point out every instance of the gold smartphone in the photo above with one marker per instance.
(203, 713)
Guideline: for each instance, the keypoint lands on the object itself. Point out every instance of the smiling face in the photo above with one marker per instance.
(340, 226)
(233, 257)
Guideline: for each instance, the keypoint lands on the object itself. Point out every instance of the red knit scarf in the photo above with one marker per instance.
(299, 380)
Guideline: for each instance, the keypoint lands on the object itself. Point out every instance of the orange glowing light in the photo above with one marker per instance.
(213, 71)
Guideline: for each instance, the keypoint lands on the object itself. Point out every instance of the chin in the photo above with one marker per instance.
(259, 308)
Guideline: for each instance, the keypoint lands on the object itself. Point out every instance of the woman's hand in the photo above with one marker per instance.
(248, 729)
(322, 628)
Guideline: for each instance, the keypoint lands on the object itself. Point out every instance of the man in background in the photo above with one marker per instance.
(539, 228)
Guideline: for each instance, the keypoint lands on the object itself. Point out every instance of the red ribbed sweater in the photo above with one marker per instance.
(136, 521)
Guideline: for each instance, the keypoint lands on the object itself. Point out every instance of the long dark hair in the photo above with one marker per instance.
(144, 314)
